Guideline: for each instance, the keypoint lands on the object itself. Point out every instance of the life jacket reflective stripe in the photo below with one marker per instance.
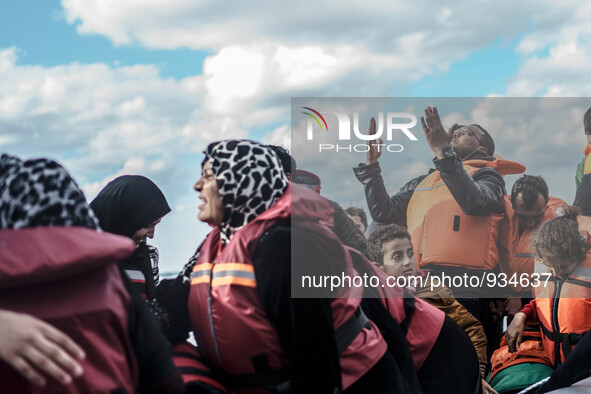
(68, 277)
(223, 275)
(192, 367)
(139, 281)
(564, 310)
(516, 252)
(136, 276)
(531, 350)
(230, 324)
(443, 234)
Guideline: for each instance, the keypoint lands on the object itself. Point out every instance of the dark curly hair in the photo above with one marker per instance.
(381, 235)
(354, 211)
(287, 161)
(529, 186)
(559, 240)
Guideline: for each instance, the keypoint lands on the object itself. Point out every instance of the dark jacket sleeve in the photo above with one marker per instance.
(478, 195)
(382, 207)
(345, 229)
(304, 325)
(173, 295)
(157, 373)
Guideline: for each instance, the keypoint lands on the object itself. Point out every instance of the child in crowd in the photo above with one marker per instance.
(390, 247)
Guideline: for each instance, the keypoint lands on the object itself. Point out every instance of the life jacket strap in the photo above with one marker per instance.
(408, 303)
(567, 340)
(346, 333)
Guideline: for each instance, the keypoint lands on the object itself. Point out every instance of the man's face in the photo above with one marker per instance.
(466, 140)
(358, 223)
(531, 217)
(398, 258)
(588, 133)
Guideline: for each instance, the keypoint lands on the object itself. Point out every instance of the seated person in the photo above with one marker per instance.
(561, 305)
(391, 248)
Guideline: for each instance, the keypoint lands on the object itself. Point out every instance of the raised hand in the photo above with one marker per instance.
(373, 152)
(437, 138)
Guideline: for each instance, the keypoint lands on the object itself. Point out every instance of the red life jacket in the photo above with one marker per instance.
(516, 254)
(420, 321)
(192, 367)
(564, 309)
(231, 326)
(68, 277)
(443, 234)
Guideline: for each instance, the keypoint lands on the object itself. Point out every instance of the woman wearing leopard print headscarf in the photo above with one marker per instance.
(238, 285)
(56, 265)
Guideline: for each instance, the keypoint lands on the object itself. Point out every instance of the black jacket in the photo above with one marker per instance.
(481, 194)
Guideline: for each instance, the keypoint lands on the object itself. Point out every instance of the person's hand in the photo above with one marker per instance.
(512, 306)
(487, 389)
(437, 138)
(30, 345)
(514, 332)
(497, 308)
(373, 150)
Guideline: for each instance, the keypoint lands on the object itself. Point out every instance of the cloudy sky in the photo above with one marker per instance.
(139, 87)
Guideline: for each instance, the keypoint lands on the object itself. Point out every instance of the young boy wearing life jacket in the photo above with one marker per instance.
(390, 247)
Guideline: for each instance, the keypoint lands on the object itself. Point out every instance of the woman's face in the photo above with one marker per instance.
(146, 232)
(211, 210)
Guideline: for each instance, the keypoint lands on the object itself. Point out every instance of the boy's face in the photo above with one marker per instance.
(398, 258)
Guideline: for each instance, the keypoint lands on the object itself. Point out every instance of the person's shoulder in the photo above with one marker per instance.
(413, 183)
(433, 291)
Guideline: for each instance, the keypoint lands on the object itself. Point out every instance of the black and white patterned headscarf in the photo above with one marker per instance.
(40, 192)
(250, 179)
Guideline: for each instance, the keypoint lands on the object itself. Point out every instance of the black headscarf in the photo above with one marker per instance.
(250, 179)
(40, 192)
(129, 203)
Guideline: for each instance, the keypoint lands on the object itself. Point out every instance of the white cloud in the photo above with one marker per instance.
(103, 121)
(267, 51)
(556, 56)
(279, 136)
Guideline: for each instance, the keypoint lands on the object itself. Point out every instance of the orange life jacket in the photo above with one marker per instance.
(584, 223)
(230, 324)
(531, 350)
(443, 234)
(564, 309)
(587, 165)
(516, 252)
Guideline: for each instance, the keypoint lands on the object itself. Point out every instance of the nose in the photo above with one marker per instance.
(151, 232)
(198, 185)
(407, 261)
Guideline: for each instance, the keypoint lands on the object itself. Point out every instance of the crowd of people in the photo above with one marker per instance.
(83, 308)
